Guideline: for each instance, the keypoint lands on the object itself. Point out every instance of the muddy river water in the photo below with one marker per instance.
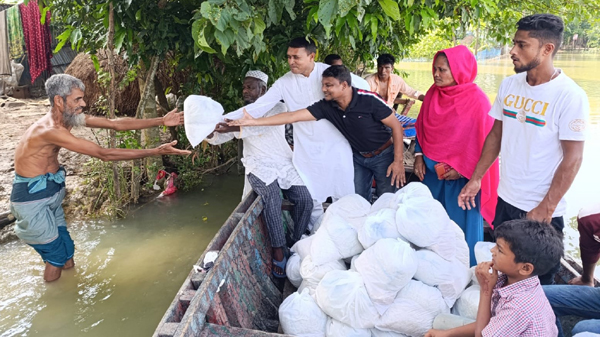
(128, 271)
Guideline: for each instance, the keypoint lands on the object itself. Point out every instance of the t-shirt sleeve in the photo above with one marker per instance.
(497, 107)
(318, 109)
(381, 110)
(573, 117)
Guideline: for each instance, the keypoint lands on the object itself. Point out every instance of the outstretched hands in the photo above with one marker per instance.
(168, 148)
(247, 120)
(173, 118)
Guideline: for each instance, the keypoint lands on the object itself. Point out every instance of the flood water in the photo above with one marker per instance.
(583, 68)
(127, 272)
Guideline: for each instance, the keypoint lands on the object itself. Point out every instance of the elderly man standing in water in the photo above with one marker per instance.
(39, 184)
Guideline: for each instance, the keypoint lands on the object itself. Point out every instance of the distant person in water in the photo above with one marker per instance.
(39, 184)
(269, 170)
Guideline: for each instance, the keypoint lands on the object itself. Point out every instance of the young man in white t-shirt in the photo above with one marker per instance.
(541, 116)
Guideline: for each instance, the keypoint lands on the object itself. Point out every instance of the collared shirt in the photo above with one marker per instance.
(321, 155)
(396, 85)
(520, 309)
(266, 152)
(361, 122)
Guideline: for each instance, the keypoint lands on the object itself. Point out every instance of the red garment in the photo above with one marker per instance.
(454, 122)
(588, 224)
(37, 39)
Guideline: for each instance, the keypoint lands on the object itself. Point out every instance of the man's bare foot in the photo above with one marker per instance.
(70, 264)
(51, 273)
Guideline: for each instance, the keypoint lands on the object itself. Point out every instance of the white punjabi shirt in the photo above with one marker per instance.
(321, 153)
(266, 153)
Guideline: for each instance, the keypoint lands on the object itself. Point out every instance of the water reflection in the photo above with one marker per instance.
(127, 272)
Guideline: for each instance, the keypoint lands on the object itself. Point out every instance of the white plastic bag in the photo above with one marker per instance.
(468, 303)
(336, 239)
(386, 200)
(386, 267)
(312, 274)
(421, 221)
(483, 251)
(353, 208)
(302, 247)
(426, 296)
(412, 191)
(202, 114)
(378, 225)
(343, 296)
(339, 329)
(407, 317)
(452, 244)
(299, 315)
(450, 277)
(379, 333)
(292, 270)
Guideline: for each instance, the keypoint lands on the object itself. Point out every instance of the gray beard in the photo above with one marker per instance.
(73, 120)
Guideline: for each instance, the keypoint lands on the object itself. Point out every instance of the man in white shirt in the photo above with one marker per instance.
(541, 116)
(322, 156)
(269, 169)
(357, 81)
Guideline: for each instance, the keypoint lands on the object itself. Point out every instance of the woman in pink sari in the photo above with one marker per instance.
(451, 129)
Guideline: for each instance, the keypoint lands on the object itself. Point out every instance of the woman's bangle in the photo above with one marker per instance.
(418, 154)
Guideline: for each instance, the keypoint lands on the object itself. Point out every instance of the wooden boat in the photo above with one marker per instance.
(238, 296)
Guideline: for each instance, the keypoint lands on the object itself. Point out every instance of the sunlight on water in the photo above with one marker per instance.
(127, 272)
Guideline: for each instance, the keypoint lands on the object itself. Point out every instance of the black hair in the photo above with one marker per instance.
(545, 28)
(340, 73)
(329, 59)
(303, 42)
(384, 59)
(532, 242)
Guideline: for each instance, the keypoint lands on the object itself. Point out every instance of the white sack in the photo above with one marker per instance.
(379, 333)
(386, 267)
(407, 317)
(339, 329)
(421, 221)
(426, 296)
(292, 270)
(317, 224)
(312, 274)
(201, 116)
(353, 263)
(483, 251)
(299, 315)
(336, 239)
(450, 277)
(472, 276)
(452, 244)
(343, 296)
(386, 200)
(378, 225)
(468, 303)
(410, 192)
(302, 247)
(352, 207)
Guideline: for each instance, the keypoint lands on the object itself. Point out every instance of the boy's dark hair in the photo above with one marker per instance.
(544, 27)
(303, 42)
(384, 59)
(532, 242)
(341, 73)
(329, 59)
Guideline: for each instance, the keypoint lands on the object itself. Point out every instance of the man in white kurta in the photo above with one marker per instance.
(322, 156)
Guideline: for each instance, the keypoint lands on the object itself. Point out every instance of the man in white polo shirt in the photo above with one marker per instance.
(541, 116)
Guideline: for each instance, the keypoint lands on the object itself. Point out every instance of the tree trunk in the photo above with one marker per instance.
(147, 109)
(164, 105)
(111, 96)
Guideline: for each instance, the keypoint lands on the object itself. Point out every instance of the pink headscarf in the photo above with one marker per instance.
(454, 122)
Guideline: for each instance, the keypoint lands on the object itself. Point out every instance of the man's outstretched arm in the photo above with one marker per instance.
(64, 138)
(173, 118)
(302, 115)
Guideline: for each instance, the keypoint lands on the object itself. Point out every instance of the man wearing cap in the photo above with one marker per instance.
(269, 169)
(322, 156)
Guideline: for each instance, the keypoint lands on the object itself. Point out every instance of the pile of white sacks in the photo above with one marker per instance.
(408, 263)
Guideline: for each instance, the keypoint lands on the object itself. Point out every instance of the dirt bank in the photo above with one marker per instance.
(15, 117)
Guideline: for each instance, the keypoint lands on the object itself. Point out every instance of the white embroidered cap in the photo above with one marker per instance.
(258, 75)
